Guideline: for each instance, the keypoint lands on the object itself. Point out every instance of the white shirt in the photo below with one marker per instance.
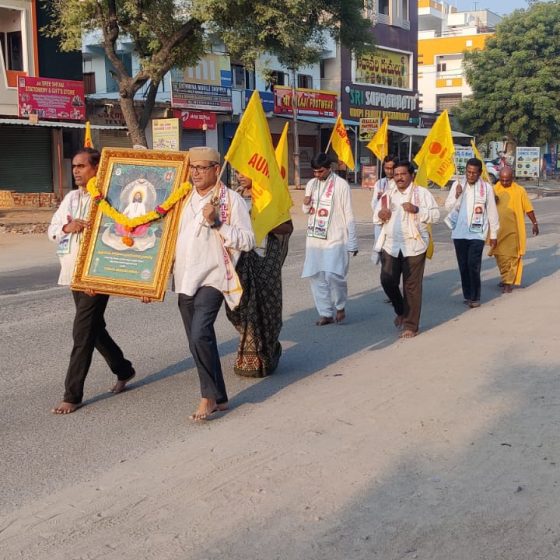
(331, 254)
(197, 257)
(400, 233)
(381, 186)
(75, 205)
(465, 203)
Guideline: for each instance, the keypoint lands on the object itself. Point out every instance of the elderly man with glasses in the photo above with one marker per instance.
(214, 228)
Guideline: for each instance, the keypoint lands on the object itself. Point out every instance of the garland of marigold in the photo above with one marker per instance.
(131, 223)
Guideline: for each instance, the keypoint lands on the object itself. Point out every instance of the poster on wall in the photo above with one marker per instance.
(369, 176)
(527, 162)
(462, 155)
(165, 134)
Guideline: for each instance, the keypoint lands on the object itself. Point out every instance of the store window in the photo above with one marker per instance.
(11, 40)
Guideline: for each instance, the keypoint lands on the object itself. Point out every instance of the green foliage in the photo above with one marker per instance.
(154, 26)
(295, 31)
(516, 79)
(171, 33)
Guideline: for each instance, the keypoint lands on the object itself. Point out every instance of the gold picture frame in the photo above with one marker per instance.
(137, 263)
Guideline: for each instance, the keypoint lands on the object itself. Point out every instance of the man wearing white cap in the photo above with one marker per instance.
(214, 228)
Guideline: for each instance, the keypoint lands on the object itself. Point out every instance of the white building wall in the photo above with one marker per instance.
(8, 95)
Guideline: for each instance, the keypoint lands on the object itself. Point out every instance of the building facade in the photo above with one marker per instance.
(444, 35)
(381, 83)
(42, 107)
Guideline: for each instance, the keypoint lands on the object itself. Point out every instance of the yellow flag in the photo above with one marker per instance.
(88, 142)
(436, 154)
(281, 153)
(477, 155)
(341, 144)
(379, 144)
(252, 154)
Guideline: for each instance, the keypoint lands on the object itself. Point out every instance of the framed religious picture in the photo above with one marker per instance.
(129, 248)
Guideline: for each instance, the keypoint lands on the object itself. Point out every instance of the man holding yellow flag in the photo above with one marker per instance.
(331, 237)
(258, 317)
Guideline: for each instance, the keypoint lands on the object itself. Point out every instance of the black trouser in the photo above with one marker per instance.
(89, 332)
(199, 313)
(409, 304)
(469, 258)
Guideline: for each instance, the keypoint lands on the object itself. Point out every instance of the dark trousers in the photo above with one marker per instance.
(199, 313)
(89, 332)
(469, 258)
(408, 304)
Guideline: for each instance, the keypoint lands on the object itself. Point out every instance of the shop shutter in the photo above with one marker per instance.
(25, 159)
(114, 139)
(192, 138)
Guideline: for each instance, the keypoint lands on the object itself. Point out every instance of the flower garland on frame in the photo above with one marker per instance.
(130, 223)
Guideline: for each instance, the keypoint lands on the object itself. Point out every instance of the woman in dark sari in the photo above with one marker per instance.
(258, 319)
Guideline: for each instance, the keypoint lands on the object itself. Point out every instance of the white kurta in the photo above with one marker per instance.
(465, 204)
(75, 205)
(406, 232)
(331, 254)
(198, 251)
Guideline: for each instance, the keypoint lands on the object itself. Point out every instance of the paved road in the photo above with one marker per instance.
(42, 453)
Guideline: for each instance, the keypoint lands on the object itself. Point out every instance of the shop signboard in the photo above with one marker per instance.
(196, 120)
(202, 97)
(310, 102)
(368, 128)
(385, 68)
(527, 162)
(50, 98)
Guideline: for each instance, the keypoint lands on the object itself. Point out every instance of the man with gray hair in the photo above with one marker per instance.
(214, 228)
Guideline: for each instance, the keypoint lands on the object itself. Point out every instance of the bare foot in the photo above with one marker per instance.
(206, 408)
(120, 385)
(324, 321)
(399, 320)
(65, 408)
(340, 315)
(408, 334)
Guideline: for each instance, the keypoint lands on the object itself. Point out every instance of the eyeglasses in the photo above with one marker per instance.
(201, 168)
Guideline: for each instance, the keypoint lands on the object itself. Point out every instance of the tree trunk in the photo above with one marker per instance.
(136, 133)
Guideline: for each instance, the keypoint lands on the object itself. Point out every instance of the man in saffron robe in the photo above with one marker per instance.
(512, 203)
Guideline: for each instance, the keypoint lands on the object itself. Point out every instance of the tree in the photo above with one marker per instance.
(172, 33)
(295, 31)
(164, 36)
(515, 79)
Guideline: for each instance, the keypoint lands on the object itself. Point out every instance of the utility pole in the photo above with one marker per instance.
(297, 179)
